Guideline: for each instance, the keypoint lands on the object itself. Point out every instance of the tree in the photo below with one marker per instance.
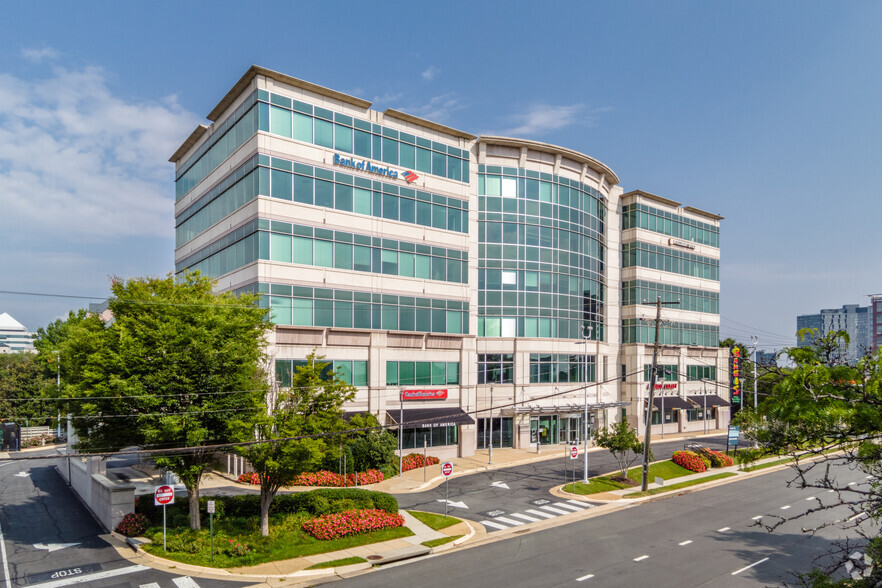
(313, 405)
(828, 416)
(170, 369)
(21, 386)
(622, 442)
(374, 449)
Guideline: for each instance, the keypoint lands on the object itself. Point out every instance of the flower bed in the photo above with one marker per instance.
(718, 459)
(351, 522)
(689, 460)
(133, 525)
(324, 478)
(413, 461)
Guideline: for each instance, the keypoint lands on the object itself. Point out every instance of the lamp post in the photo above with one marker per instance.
(490, 459)
(58, 391)
(585, 416)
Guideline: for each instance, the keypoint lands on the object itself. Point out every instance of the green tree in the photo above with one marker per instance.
(312, 406)
(170, 370)
(374, 449)
(621, 441)
(828, 415)
(22, 384)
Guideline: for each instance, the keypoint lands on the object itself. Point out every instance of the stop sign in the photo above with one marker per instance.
(446, 468)
(163, 495)
(574, 452)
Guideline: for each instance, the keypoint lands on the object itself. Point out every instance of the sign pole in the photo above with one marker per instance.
(425, 463)
(163, 528)
(210, 505)
(446, 496)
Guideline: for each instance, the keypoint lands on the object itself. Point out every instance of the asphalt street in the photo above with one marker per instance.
(48, 539)
(522, 489)
(706, 538)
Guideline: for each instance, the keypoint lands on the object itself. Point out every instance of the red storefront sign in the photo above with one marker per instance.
(424, 395)
(665, 386)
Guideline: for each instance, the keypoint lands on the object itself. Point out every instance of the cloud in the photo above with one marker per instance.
(79, 162)
(430, 73)
(438, 108)
(538, 119)
(38, 55)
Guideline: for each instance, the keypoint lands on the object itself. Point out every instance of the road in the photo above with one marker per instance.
(517, 494)
(705, 538)
(48, 539)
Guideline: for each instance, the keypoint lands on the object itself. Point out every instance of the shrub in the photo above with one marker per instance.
(718, 459)
(747, 456)
(351, 522)
(133, 524)
(324, 478)
(249, 478)
(385, 502)
(243, 505)
(689, 460)
(38, 441)
(412, 461)
(705, 460)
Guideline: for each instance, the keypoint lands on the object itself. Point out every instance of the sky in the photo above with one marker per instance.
(767, 113)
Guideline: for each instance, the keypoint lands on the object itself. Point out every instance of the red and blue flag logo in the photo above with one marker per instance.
(410, 176)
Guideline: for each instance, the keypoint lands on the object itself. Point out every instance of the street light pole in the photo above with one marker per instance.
(58, 391)
(585, 416)
(490, 460)
(755, 369)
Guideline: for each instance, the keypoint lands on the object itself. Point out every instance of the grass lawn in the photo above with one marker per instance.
(237, 541)
(346, 561)
(681, 485)
(434, 521)
(440, 541)
(662, 469)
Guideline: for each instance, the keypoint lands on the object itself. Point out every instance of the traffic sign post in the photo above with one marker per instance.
(574, 454)
(446, 471)
(162, 496)
(210, 505)
(734, 434)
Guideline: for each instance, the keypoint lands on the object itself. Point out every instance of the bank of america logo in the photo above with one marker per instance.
(410, 176)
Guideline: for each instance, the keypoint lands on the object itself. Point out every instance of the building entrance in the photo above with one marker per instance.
(544, 429)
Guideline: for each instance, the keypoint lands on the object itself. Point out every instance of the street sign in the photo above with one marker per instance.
(574, 451)
(446, 469)
(210, 504)
(163, 495)
(734, 433)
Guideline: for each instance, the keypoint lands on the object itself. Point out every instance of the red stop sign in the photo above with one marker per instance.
(164, 495)
(574, 451)
(447, 468)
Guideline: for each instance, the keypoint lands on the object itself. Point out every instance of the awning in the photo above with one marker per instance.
(712, 400)
(431, 417)
(670, 402)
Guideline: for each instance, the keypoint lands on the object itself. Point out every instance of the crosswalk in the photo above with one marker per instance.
(180, 582)
(534, 515)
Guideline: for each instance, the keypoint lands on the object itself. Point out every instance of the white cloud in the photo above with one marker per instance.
(431, 73)
(80, 162)
(538, 119)
(38, 55)
(437, 109)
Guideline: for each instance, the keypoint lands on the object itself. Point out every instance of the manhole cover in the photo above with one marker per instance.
(374, 557)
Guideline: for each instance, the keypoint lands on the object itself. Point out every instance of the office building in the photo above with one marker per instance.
(474, 283)
(855, 320)
(14, 337)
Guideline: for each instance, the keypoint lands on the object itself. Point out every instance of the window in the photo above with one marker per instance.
(667, 373)
(427, 373)
(496, 368)
(701, 372)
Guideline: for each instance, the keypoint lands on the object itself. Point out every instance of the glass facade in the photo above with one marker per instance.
(354, 373)
(670, 260)
(312, 124)
(667, 373)
(553, 368)
(639, 331)
(667, 223)
(643, 292)
(701, 372)
(422, 373)
(541, 255)
(430, 436)
(495, 368)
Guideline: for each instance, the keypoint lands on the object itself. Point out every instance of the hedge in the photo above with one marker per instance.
(315, 502)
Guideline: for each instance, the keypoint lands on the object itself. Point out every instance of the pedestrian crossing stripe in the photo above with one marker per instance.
(549, 511)
(185, 582)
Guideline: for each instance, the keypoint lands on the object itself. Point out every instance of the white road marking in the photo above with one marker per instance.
(525, 517)
(150, 585)
(539, 513)
(5, 564)
(554, 510)
(494, 525)
(185, 582)
(831, 490)
(852, 483)
(858, 515)
(50, 547)
(723, 530)
(502, 485)
(585, 577)
(687, 542)
(641, 558)
(750, 566)
(756, 518)
(572, 507)
(91, 577)
(869, 477)
(23, 475)
(785, 507)
(578, 503)
(508, 521)
(810, 498)
(9, 462)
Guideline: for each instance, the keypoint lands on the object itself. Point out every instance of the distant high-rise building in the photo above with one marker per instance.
(876, 321)
(851, 318)
(14, 337)
(767, 358)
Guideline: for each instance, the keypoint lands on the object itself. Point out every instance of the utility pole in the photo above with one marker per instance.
(490, 460)
(58, 391)
(755, 339)
(587, 335)
(652, 376)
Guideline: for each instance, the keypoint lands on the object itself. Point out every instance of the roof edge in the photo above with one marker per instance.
(403, 116)
(655, 197)
(188, 143)
(694, 210)
(256, 70)
(601, 168)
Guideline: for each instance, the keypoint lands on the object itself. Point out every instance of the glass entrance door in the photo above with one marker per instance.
(548, 425)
